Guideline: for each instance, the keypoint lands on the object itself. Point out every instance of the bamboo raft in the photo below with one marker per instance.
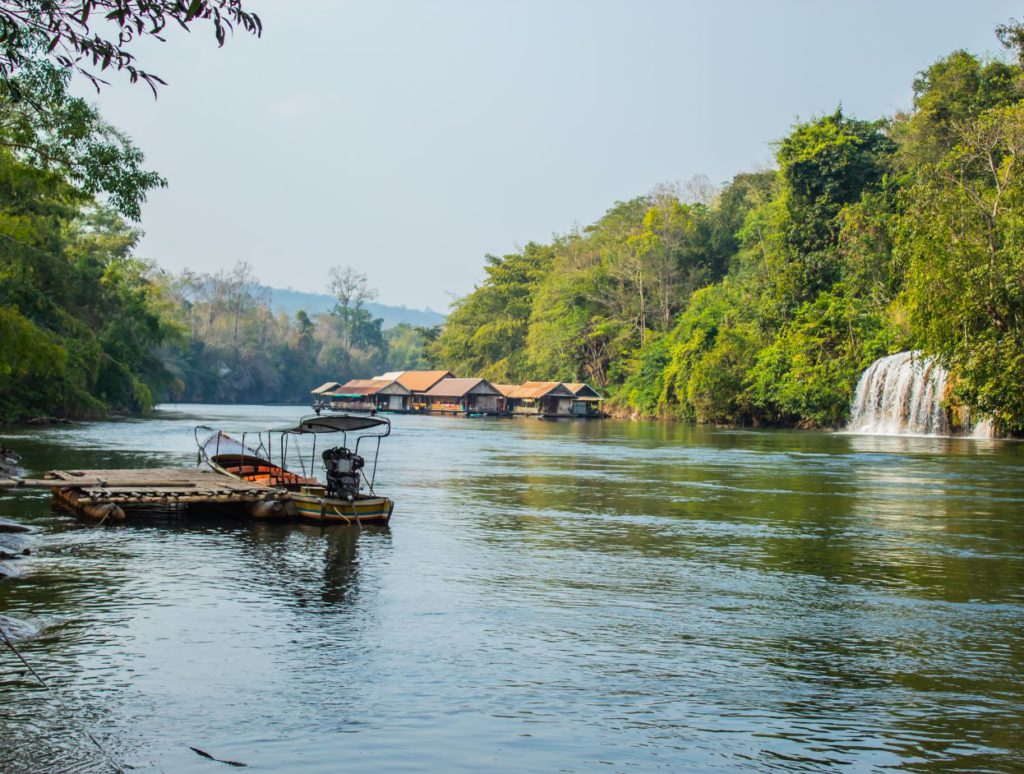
(103, 494)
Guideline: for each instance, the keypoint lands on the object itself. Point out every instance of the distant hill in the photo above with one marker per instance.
(291, 301)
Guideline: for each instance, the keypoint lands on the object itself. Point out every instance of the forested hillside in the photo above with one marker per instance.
(762, 303)
(292, 302)
(233, 347)
(87, 328)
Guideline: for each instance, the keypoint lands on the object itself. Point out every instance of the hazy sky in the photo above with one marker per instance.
(409, 139)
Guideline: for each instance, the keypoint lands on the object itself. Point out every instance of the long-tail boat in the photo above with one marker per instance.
(263, 457)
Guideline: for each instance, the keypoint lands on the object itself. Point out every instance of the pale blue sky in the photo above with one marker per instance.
(409, 138)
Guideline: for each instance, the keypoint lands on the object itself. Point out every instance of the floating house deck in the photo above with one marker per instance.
(104, 494)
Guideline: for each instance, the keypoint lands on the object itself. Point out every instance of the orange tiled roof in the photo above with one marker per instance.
(533, 390)
(421, 381)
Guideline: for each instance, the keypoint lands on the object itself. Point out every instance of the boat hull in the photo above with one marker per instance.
(313, 505)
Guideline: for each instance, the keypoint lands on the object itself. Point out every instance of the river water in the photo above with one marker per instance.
(550, 596)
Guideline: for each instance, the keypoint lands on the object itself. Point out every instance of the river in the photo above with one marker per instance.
(550, 596)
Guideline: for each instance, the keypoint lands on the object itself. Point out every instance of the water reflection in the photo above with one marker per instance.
(317, 566)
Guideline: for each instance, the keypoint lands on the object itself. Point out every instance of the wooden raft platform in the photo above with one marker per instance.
(100, 494)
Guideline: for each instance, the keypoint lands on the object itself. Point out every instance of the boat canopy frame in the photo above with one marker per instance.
(310, 425)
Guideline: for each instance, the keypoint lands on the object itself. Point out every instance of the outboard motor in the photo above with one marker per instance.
(342, 467)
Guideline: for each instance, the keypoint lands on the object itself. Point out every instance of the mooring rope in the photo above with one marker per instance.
(117, 767)
(105, 516)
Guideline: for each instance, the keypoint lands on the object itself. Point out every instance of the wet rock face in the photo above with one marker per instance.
(48, 421)
(11, 549)
(17, 630)
(8, 463)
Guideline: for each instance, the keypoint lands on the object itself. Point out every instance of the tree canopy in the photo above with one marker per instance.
(92, 37)
(43, 44)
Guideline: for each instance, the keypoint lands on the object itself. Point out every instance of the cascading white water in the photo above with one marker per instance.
(902, 395)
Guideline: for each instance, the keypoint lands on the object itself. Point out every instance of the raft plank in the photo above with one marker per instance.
(52, 483)
(135, 497)
(146, 481)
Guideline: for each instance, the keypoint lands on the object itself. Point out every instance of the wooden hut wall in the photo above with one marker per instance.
(483, 403)
(392, 397)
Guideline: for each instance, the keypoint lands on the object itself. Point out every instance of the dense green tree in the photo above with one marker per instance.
(406, 347)
(948, 94)
(717, 385)
(962, 234)
(48, 129)
(682, 389)
(67, 278)
(486, 331)
(824, 165)
(807, 374)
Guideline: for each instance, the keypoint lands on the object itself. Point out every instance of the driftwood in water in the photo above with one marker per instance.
(207, 755)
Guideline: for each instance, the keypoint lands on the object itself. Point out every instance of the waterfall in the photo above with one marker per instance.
(902, 395)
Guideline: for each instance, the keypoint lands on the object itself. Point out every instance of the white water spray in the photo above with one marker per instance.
(902, 395)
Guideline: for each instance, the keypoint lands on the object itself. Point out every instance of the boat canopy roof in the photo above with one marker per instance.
(219, 447)
(335, 423)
